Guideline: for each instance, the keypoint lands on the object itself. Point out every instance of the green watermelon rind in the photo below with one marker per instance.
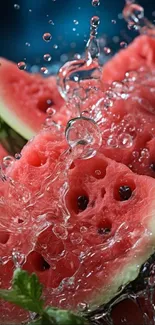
(14, 122)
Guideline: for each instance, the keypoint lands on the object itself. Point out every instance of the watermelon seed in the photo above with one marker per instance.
(125, 192)
(82, 202)
(45, 265)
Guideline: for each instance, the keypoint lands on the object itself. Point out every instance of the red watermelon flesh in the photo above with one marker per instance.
(25, 97)
(140, 53)
(83, 246)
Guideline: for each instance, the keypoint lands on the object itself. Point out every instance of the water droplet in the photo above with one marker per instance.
(18, 259)
(47, 37)
(75, 22)
(83, 135)
(123, 44)
(51, 22)
(60, 232)
(76, 238)
(47, 57)
(16, 6)
(95, 21)
(82, 307)
(7, 161)
(44, 70)
(125, 140)
(18, 156)
(27, 44)
(21, 65)
(107, 50)
(95, 3)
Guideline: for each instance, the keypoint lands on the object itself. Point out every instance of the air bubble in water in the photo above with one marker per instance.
(50, 111)
(75, 22)
(21, 65)
(60, 232)
(83, 135)
(82, 307)
(76, 238)
(55, 46)
(16, 6)
(95, 3)
(44, 70)
(125, 140)
(113, 21)
(47, 37)
(27, 44)
(47, 57)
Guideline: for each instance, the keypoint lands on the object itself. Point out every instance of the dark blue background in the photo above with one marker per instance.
(30, 22)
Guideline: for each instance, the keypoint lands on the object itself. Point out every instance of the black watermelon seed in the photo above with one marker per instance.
(125, 192)
(152, 166)
(104, 231)
(82, 202)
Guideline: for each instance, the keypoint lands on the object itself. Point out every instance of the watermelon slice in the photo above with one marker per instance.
(24, 98)
(74, 227)
(140, 53)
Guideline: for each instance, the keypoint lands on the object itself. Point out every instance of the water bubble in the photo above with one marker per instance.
(47, 57)
(82, 307)
(107, 50)
(7, 161)
(18, 259)
(113, 21)
(95, 21)
(76, 238)
(47, 37)
(55, 46)
(50, 111)
(75, 22)
(83, 134)
(18, 156)
(51, 22)
(112, 141)
(95, 3)
(60, 232)
(30, 10)
(131, 75)
(123, 44)
(27, 44)
(44, 70)
(74, 29)
(16, 6)
(21, 65)
(125, 140)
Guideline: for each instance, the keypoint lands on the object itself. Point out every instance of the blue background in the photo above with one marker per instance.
(31, 21)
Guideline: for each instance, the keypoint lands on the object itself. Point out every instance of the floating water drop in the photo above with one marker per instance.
(95, 3)
(16, 6)
(47, 37)
(27, 44)
(123, 44)
(47, 57)
(75, 22)
(55, 46)
(7, 161)
(83, 135)
(44, 70)
(51, 22)
(95, 21)
(107, 50)
(21, 65)
(113, 21)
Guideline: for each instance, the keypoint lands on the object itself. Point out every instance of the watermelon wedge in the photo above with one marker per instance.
(140, 53)
(72, 223)
(25, 97)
